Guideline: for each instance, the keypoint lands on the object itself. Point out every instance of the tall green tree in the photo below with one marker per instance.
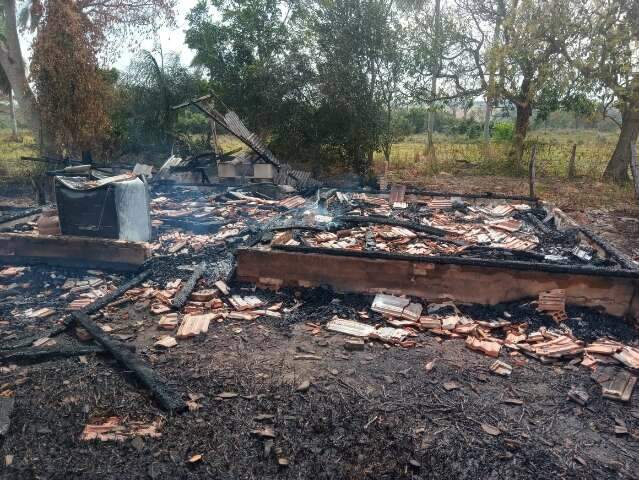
(524, 56)
(442, 50)
(605, 48)
(358, 65)
(245, 49)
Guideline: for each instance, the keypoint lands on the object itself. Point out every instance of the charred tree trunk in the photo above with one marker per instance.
(617, 169)
(524, 112)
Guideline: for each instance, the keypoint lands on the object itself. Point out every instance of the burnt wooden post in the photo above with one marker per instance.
(572, 169)
(633, 167)
(531, 171)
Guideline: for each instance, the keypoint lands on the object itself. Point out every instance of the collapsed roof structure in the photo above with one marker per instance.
(258, 161)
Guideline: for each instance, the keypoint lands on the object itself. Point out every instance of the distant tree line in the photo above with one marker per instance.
(330, 81)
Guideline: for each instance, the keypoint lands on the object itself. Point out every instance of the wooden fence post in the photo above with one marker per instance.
(572, 169)
(531, 170)
(633, 167)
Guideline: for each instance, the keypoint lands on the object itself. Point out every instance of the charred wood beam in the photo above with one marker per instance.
(41, 354)
(192, 102)
(487, 195)
(182, 296)
(194, 226)
(166, 396)
(623, 260)
(541, 226)
(89, 309)
(311, 228)
(389, 221)
(22, 214)
(515, 253)
(436, 238)
(431, 193)
(103, 301)
(173, 183)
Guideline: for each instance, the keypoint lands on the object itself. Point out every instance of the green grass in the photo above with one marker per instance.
(457, 155)
(12, 168)
(454, 154)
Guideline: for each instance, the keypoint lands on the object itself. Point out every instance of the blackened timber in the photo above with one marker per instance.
(183, 295)
(104, 300)
(195, 226)
(487, 195)
(541, 226)
(9, 222)
(93, 307)
(389, 221)
(483, 249)
(166, 396)
(610, 249)
(430, 193)
(41, 354)
(18, 215)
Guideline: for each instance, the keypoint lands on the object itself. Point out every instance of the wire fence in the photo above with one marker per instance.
(552, 158)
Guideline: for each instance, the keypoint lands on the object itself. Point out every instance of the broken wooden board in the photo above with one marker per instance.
(72, 251)
(183, 295)
(437, 279)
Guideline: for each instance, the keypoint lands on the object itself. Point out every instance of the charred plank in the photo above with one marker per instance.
(183, 295)
(166, 396)
(41, 354)
(89, 309)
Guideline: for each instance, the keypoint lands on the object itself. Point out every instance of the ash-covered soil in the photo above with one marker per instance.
(372, 414)
(377, 413)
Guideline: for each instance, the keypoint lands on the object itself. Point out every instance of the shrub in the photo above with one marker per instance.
(503, 131)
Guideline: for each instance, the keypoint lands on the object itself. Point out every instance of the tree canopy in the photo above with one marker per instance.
(328, 81)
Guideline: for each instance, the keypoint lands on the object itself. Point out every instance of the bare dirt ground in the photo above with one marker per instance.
(377, 413)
